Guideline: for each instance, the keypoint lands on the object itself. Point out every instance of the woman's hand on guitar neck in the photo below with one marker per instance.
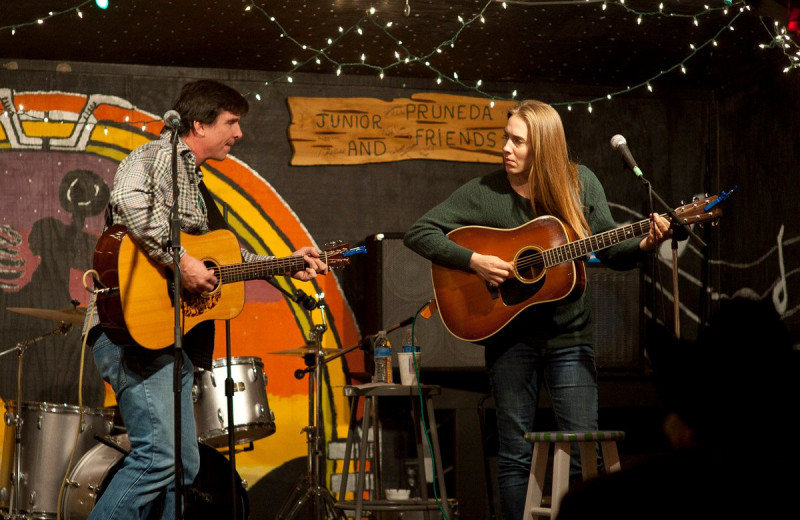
(492, 269)
(658, 233)
(196, 276)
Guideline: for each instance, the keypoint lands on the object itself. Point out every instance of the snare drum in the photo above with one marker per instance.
(252, 417)
(208, 498)
(48, 432)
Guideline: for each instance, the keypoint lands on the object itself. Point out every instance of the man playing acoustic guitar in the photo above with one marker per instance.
(549, 343)
(142, 378)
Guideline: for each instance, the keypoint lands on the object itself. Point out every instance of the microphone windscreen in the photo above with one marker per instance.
(617, 141)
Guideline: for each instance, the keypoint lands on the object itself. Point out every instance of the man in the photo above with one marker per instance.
(548, 343)
(142, 379)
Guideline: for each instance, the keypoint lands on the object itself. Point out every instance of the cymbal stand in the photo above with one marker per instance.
(313, 481)
(16, 419)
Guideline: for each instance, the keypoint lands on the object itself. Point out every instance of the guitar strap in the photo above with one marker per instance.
(215, 218)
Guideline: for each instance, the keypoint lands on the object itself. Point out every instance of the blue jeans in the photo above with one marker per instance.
(144, 487)
(516, 376)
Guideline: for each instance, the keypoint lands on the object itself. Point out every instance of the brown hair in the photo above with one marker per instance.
(204, 100)
(553, 180)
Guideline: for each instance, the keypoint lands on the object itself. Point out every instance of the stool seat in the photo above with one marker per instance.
(575, 436)
(561, 442)
(412, 504)
(390, 390)
(370, 393)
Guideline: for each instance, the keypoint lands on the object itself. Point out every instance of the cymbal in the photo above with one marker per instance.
(304, 350)
(74, 315)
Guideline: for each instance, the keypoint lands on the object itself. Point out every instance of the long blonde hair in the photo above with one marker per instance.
(553, 180)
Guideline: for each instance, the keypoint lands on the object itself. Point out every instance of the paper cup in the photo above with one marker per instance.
(405, 360)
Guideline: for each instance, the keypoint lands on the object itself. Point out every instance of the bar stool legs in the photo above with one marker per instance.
(561, 457)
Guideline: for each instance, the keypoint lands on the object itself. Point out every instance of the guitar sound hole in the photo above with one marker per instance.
(211, 265)
(189, 299)
(529, 265)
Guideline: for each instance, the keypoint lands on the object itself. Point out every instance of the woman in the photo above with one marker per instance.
(548, 343)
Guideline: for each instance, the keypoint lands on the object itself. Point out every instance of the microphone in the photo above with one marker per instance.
(172, 119)
(299, 297)
(619, 144)
(304, 300)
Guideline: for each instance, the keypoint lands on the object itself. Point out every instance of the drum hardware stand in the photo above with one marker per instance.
(313, 481)
(16, 419)
(108, 441)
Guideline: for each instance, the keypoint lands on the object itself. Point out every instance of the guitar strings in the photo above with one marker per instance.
(572, 250)
(252, 270)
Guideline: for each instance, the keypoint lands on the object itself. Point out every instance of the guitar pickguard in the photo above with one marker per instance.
(514, 292)
(194, 305)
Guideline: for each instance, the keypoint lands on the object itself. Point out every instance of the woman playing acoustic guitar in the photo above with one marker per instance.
(546, 341)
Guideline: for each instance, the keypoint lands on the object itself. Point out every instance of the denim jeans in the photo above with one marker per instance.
(144, 487)
(516, 376)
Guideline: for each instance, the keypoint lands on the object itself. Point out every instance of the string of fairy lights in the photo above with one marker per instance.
(372, 21)
(403, 55)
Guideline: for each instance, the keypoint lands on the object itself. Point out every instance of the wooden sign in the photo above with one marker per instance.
(366, 130)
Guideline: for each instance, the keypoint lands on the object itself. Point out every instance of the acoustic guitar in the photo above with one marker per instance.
(137, 302)
(548, 267)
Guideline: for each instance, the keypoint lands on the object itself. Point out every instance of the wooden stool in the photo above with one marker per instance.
(370, 393)
(561, 457)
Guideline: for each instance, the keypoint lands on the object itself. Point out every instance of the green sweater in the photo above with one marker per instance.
(491, 201)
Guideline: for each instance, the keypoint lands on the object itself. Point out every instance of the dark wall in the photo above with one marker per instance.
(687, 142)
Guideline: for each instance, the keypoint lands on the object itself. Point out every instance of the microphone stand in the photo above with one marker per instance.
(174, 243)
(680, 231)
(229, 391)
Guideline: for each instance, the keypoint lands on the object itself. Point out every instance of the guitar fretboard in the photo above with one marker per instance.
(579, 248)
(261, 268)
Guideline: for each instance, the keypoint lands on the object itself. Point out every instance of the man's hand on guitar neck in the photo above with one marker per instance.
(492, 269)
(196, 276)
(313, 264)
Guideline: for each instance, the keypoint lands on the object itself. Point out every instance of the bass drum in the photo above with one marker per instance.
(209, 498)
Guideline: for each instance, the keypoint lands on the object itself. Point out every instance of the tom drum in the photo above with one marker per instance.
(252, 417)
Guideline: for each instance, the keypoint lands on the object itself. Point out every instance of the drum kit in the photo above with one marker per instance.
(57, 459)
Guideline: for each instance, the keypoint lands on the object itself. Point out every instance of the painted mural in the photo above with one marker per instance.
(58, 155)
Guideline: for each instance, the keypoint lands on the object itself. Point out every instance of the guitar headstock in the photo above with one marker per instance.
(701, 210)
(337, 254)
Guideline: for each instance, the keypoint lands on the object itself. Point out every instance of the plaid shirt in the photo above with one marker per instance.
(142, 197)
(142, 201)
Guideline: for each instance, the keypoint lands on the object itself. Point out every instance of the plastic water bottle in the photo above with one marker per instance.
(383, 359)
(410, 343)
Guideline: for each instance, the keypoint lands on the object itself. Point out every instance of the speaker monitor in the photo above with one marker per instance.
(399, 284)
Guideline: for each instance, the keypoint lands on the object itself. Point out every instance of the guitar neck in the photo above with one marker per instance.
(261, 269)
(583, 247)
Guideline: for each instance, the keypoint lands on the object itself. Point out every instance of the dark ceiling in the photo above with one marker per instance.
(564, 42)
